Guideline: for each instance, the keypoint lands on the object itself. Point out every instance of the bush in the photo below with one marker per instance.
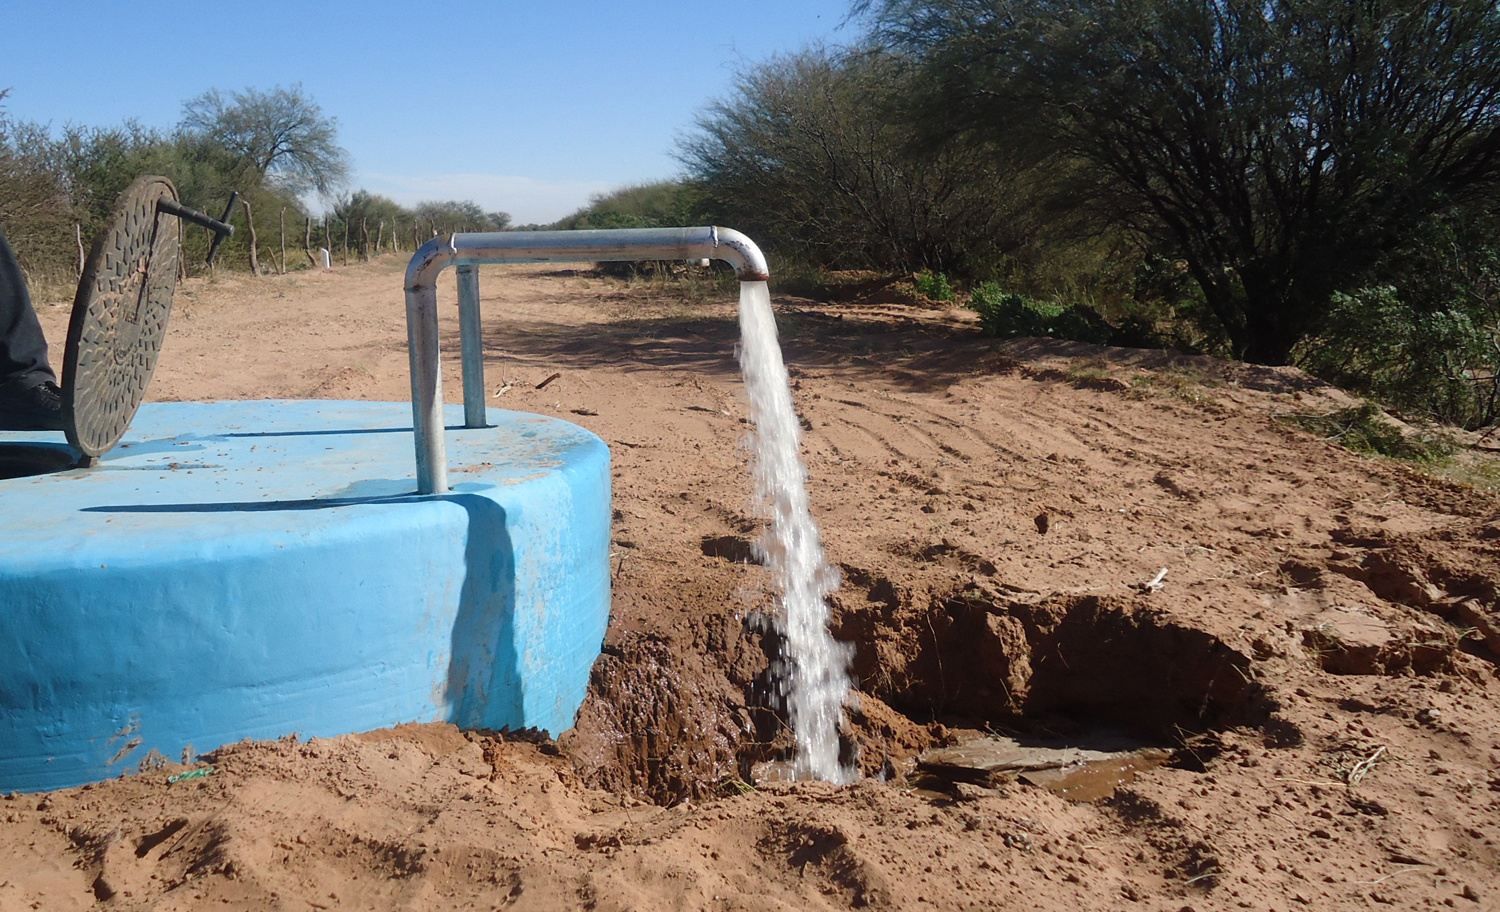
(662, 204)
(934, 286)
(1439, 364)
(1009, 315)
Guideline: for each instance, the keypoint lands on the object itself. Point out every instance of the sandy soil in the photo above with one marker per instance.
(1321, 656)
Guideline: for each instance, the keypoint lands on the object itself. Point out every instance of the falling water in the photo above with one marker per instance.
(818, 679)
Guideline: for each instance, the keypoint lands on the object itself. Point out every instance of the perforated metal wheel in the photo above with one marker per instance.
(120, 317)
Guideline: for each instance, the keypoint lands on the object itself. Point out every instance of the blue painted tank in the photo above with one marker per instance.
(251, 569)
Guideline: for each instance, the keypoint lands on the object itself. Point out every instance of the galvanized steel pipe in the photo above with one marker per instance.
(472, 346)
(626, 244)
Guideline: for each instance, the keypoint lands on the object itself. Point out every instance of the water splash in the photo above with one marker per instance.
(818, 679)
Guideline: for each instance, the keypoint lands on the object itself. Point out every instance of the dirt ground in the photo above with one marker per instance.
(1322, 656)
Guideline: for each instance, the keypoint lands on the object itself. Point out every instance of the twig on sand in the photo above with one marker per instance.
(1362, 769)
(543, 384)
(1404, 870)
(1193, 880)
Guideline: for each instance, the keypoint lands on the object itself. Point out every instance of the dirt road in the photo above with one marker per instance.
(1320, 656)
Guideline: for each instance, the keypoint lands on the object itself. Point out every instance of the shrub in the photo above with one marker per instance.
(810, 155)
(934, 286)
(1009, 315)
(1439, 364)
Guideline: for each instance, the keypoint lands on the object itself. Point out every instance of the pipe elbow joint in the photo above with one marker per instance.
(740, 252)
(429, 260)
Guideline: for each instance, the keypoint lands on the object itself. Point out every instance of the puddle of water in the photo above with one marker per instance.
(1075, 773)
(1095, 780)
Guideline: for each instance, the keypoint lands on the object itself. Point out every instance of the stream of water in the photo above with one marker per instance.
(818, 680)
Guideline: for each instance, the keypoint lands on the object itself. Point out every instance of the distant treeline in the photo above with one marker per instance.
(1313, 182)
(276, 148)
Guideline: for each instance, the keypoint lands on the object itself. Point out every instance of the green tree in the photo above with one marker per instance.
(100, 162)
(660, 204)
(281, 135)
(1282, 148)
(449, 216)
(372, 218)
(807, 154)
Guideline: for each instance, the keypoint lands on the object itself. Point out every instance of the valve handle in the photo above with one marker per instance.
(219, 226)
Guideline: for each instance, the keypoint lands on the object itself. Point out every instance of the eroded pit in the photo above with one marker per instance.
(1076, 671)
(999, 659)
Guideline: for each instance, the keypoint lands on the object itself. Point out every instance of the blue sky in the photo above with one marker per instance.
(525, 107)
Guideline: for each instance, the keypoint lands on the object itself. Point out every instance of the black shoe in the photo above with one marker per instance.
(35, 408)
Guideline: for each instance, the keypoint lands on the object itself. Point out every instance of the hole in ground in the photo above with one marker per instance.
(733, 548)
(671, 719)
(1067, 669)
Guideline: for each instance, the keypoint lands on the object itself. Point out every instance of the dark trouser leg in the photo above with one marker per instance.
(23, 348)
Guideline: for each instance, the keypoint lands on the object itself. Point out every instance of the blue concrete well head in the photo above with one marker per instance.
(252, 569)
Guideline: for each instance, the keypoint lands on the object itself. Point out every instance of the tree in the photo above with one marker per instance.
(806, 153)
(660, 204)
(1282, 148)
(458, 215)
(280, 135)
(372, 207)
(100, 162)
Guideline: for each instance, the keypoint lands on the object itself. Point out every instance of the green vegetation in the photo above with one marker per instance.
(1441, 363)
(1281, 148)
(1294, 181)
(1365, 429)
(811, 154)
(1009, 314)
(275, 147)
(934, 285)
(663, 204)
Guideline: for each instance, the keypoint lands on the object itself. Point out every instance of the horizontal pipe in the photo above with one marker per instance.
(604, 245)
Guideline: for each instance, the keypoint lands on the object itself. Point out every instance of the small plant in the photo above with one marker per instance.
(734, 786)
(1008, 314)
(934, 286)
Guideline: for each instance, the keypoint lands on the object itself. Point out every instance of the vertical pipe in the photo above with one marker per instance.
(472, 346)
(426, 389)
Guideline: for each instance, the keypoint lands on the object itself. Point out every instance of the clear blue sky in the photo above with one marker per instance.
(526, 107)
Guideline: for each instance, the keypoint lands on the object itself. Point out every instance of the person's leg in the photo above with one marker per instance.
(29, 397)
(23, 348)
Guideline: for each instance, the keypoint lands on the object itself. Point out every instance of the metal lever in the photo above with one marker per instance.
(219, 226)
